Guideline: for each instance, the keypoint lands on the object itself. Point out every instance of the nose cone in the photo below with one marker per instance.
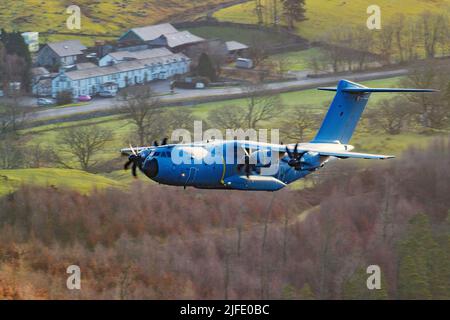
(151, 168)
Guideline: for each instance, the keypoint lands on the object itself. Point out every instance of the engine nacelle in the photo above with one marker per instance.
(310, 161)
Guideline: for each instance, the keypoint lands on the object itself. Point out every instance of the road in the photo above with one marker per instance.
(182, 96)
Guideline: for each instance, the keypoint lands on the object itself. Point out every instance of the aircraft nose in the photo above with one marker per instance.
(151, 169)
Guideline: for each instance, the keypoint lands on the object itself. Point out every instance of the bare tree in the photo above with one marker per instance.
(334, 51)
(39, 156)
(398, 27)
(264, 265)
(258, 51)
(11, 155)
(410, 40)
(12, 118)
(143, 110)
(432, 110)
(259, 10)
(385, 43)
(180, 119)
(391, 115)
(261, 105)
(227, 117)
(362, 43)
(433, 28)
(300, 121)
(84, 143)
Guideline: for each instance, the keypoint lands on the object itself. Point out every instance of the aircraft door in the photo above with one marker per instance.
(191, 176)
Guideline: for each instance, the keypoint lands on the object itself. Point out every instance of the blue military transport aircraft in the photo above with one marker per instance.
(257, 166)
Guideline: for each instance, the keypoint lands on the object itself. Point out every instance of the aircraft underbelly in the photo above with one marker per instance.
(201, 175)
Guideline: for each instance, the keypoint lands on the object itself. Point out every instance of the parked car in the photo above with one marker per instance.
(44, 102)
(84, 98)
(244, 63)
(108, 93)
(191, 83)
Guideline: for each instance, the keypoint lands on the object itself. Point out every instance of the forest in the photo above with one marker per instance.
(155, 242)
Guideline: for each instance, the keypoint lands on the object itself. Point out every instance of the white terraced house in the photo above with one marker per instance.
(122, 68)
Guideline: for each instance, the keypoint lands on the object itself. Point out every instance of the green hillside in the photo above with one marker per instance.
(326, 15)
(98, 17)
(60, 178)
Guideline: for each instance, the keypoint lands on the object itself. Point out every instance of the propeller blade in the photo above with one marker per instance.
(296, 151)
(127, 165)
(133, 169)
(289, 152)
(132, 150)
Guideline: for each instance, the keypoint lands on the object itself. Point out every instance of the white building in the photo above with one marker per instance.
(121, 56)
(32, 41)
(89, 78)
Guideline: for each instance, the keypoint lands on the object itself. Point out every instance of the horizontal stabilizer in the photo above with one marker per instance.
(370, 90)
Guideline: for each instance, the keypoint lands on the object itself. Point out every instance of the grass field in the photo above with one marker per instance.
(98, 17)
(296, 60)
(246, 36)
(323, 16)
(60, 178)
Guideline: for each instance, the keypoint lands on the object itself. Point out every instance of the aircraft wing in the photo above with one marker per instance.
(356, 155)
(321, 149)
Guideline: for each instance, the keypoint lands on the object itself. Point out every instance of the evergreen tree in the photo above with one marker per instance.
(412, 279)
(289, 293)
(15, 45)
(292, 293)
(306, 293)
(355, 288)
(206, 68)
(2, 62)
(423, 267)
(294, 11)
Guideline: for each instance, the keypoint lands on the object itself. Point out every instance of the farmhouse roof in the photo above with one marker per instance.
(181, 38)
(234, 45)
(153, 32)
(141, 54)
(67, 48)
(85, 65)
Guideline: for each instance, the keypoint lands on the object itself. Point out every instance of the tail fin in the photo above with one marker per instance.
(346, 109)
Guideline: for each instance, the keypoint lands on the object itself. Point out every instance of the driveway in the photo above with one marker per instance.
(198, 96)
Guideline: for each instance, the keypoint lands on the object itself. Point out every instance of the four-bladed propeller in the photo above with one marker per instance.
(248, 167)
(295, 158)
(134, 159)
